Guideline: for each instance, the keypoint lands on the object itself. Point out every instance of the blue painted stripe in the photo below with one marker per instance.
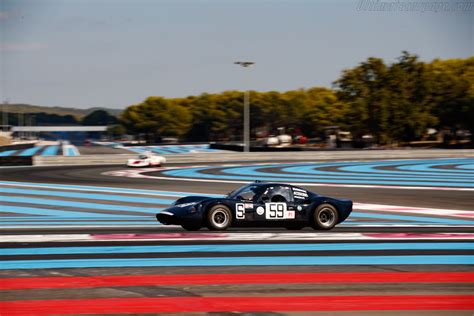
(30, 151)
(341, 175)
(49, 212)
(137, 150)
(367, 171)
(50, 151)
(159, 150)
(70, 151)
(196, 173)
(239, 261)
(106, 189)
(206, 148)
(89, 196)
(91, 206)
(372, 168)
(429, 167)
(174, 149)
(363, 169)
(7, 153)
(239, 248)
(466, 166)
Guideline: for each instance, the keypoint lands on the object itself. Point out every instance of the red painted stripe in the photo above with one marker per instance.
(247, 278)
(241, 304)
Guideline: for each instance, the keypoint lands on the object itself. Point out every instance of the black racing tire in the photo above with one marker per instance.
(191, 227)
(325, 217)
(219, 217)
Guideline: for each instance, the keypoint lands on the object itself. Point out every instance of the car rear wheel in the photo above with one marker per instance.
(325, 217)
(219, 217)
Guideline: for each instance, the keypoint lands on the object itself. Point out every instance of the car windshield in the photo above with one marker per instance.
(246, 192)
(143, 157)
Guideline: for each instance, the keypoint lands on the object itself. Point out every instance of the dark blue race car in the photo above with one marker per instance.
(258, 204)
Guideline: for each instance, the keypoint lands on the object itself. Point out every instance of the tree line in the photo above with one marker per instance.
(393, 102)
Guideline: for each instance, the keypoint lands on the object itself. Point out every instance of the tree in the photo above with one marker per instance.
(156, 117)
(322, 109)
(363, 89)
(452, 86)
(393, 103)
(99, 117)
(116, 130)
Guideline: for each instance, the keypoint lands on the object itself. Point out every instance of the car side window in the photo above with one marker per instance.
(248, 194)
(276, 194)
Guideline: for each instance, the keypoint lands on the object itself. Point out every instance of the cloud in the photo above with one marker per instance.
(21, 47)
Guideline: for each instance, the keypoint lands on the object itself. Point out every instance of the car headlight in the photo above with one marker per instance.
(194, 209)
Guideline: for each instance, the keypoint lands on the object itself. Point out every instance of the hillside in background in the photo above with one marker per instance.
(78, 113)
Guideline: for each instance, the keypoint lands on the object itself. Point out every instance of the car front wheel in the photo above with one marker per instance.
(325, 217)
(219, 217)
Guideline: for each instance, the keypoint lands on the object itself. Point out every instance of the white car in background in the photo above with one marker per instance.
(146, 160)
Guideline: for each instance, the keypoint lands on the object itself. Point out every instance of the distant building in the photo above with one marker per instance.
(75, 134)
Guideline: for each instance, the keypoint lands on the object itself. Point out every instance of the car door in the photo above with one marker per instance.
(301, 203)
(245, 209)
(275, 205)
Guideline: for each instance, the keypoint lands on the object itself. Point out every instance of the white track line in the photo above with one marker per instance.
(416, 210)
(213, 236)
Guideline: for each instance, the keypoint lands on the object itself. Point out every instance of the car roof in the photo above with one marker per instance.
(265, 184)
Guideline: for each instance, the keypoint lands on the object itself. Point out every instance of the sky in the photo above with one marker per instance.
(114, 53)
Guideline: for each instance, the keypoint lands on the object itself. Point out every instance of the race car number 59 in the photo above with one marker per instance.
(278, 211)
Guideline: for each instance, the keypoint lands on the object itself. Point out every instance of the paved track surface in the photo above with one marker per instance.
(77, 241)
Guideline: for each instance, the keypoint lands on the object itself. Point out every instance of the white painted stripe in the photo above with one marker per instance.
(52, 227)
(42, 238)
(185, 236)
(417, 210)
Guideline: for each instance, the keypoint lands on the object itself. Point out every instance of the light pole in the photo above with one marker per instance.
(5, 116)
(246, 130)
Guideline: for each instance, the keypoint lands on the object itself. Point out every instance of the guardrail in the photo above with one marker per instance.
(81, 160)
(16, 161)
(17, 146)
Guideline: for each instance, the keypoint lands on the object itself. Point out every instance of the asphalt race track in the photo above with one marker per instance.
(83, 240)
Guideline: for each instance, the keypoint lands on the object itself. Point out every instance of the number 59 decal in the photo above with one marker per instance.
(278, 211)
